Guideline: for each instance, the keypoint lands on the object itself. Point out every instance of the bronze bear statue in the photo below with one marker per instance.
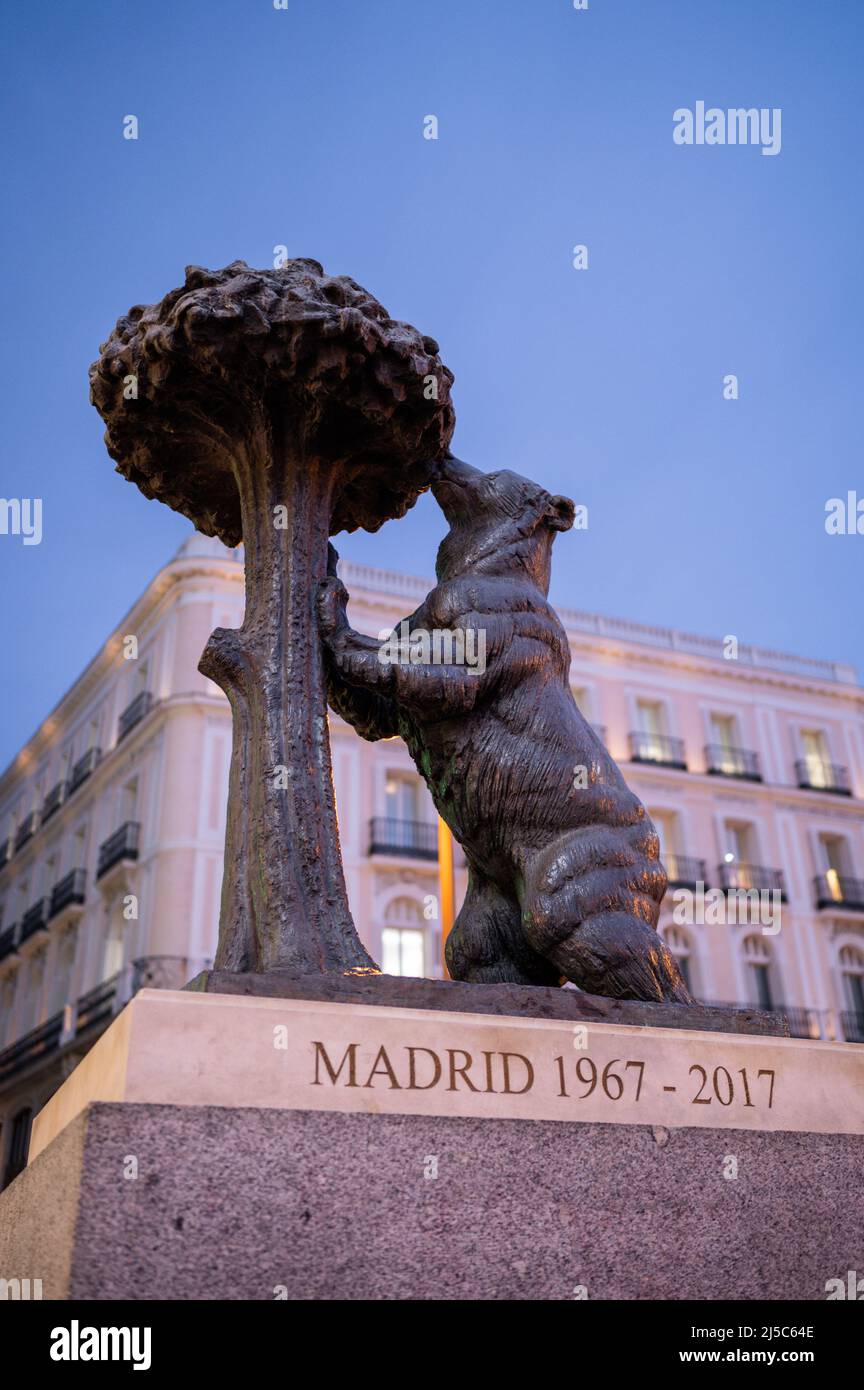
(564, 876)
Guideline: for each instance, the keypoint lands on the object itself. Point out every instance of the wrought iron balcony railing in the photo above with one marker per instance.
(53, 801)
(803, 1022)
(69, 890)
(83, 768)
(836, 890)
(732, 762)
(852, 1024)
(93, 1010)
(35, 919)
(749, 877)
(813, 774)
(97, 1004)
(684, 872)
(411, 839)
(26, 830)
(31, 1048)
(133, 714)
(8, 941)
(123, 844)
(658, 748)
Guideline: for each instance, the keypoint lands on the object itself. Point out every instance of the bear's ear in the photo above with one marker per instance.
(560, 513)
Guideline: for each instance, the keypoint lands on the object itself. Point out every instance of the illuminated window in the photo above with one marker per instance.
(402, 951)
(403, 939)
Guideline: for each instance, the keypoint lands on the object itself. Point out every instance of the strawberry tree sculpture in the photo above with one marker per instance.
(276, 407)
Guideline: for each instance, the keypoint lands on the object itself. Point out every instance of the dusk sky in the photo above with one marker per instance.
(304, 127)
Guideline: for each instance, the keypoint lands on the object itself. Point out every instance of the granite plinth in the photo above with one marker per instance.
(253, 1203)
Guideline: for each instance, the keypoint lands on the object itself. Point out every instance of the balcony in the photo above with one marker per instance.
(35, 919)
(83, 768)
(815, 775)
(9, 941)
(683, 872)
(68, 892)
(31, 1048)
(97, 1005)
(26, 830)
(119, 847)
(53, 801)
(732, 762)
(853, 1027)
(133, 714)
(836, 890)
(803, 1022)
(658, 749)
(749, 878)
(409, 839)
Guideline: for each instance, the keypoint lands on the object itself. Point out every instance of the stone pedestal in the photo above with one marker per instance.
(216, 1146)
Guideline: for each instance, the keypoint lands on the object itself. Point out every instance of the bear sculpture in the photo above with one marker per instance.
(564, 876)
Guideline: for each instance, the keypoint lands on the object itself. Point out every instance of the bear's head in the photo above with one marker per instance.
(500, 523)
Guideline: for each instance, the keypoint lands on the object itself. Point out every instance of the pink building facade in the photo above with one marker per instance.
(112, 820)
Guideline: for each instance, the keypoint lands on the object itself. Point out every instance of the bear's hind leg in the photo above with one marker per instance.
(487, 944)
(590, 906)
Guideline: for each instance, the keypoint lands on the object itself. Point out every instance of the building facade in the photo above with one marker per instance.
(112, 821)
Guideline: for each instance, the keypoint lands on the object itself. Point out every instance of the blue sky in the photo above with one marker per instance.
(304, 127)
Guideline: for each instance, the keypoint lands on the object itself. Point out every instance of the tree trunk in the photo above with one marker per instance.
(284, 903)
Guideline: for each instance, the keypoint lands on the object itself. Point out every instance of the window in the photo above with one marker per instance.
(834, 852)
(401, 798)
(115, 945)
(852, 966)
(739, 847)
(650, 715)
(49, 873)
(757, 956)
(652, 728)
(129, 801)
(63, 966)
(23, 898)
(679, 944)
(403, 939)
(7, 1005)
(79, 848)
(816, 757)
(580, 695)
(19, 1143)
(723, 730)
(723, 745)
(855, 992)
(665, 825)
(32, 1004)
(402, 951)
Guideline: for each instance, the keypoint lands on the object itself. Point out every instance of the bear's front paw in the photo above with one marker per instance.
(332, 606)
